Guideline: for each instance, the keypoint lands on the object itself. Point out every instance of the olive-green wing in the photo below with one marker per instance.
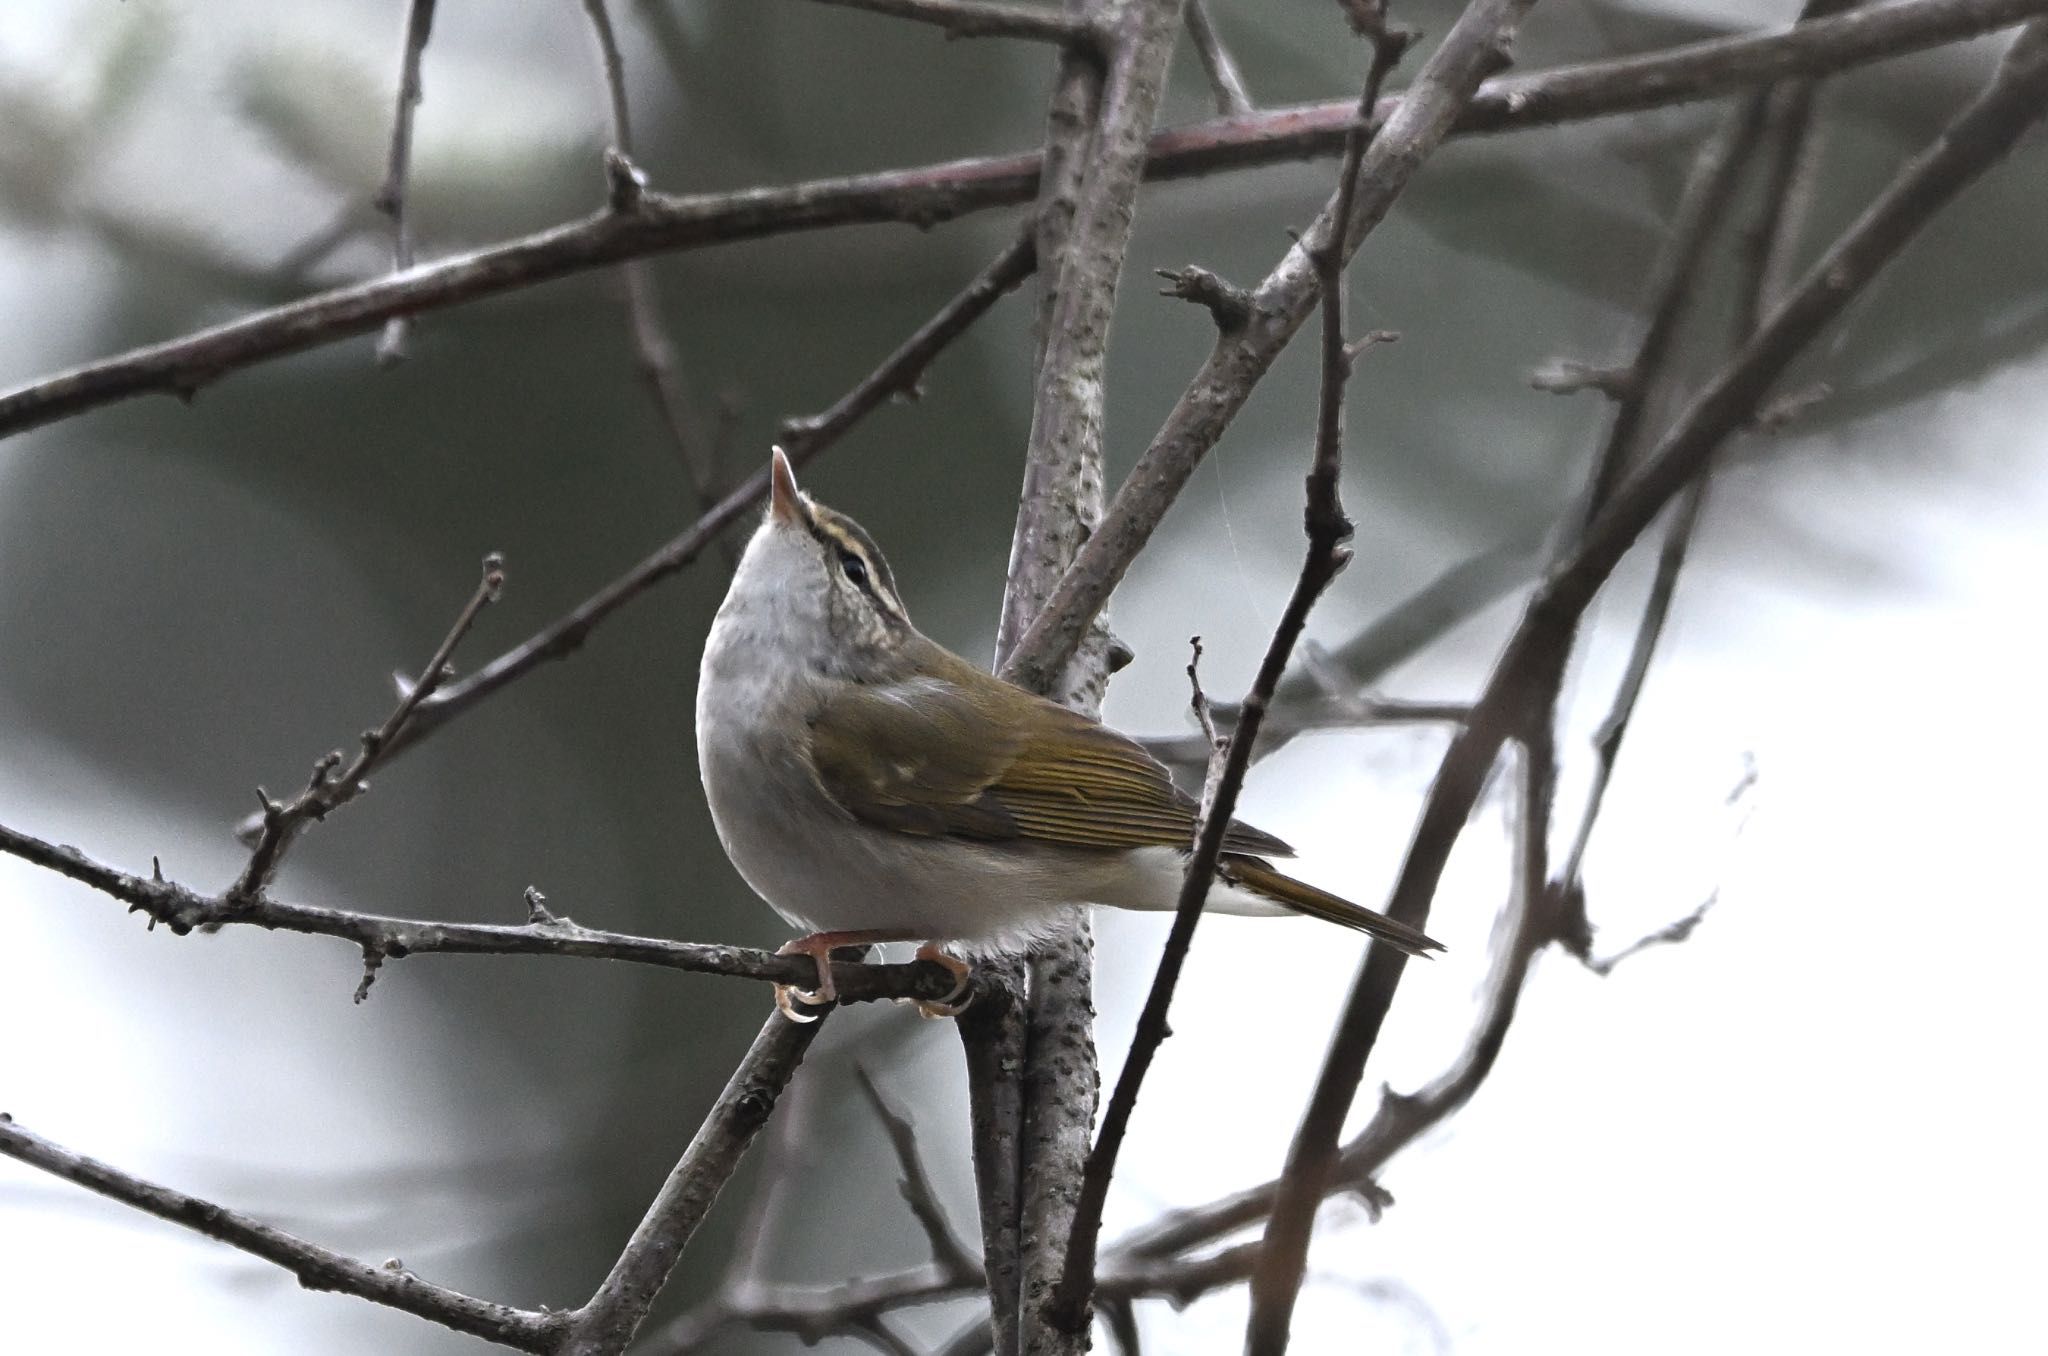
(940, 758)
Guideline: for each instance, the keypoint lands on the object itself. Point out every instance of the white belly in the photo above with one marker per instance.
(825, 871)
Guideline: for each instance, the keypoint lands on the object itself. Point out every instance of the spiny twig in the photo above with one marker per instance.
(334, 785)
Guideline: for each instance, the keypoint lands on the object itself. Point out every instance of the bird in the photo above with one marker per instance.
(872, 786)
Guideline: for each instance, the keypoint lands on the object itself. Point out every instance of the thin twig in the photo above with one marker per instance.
(1180, 1281)
(1537, 918)
(814, 1313)
(927, 194)
(391, 196)
(182, 909)
(987, 19)
(316, 1268)
(332, 785)
(1225, 80)
(605, 1324)
(1977, 139)
(653, 354)
(899, 374)
(1284, 724)
(612, 65)
(916, 1184)
(1765, 275)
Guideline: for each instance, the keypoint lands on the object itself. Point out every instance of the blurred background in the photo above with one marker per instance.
(1809, 1125)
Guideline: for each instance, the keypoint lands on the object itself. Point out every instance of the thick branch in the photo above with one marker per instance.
(316, 1268)
(932, 193)
(1096, 152)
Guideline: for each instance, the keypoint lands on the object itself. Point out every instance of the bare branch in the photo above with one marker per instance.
(1977, 139)
(316, 1268)
(987, 19)
(1177, 1280)
(899, 373)
(606, 1324)
(929, 194)
(653, 354)
(612, 64)
(1414, 128)
(1100, 119)
(1229, 305)
(182, 909)
(918, 1192)
(1765, 276)
(1328, 529)
(992, 1040)
(1709, 187)
(1232, 98)
(330, 789)
(390, 199)
(1190, 752)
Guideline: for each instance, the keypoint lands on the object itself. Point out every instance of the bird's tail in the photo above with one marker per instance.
(1256, 876)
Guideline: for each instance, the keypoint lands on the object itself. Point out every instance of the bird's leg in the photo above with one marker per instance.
(952, 1005)
(819, 946)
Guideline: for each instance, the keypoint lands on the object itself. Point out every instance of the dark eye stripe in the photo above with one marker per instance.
(860, 560)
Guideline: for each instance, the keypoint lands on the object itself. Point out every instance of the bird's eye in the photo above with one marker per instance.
(856, 569)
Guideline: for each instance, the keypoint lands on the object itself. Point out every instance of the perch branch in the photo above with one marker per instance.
(181, 909)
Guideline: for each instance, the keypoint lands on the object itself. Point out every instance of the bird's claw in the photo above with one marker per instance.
(959, 997)
(787, 996)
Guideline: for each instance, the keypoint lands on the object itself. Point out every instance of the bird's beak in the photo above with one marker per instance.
(785, 503)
